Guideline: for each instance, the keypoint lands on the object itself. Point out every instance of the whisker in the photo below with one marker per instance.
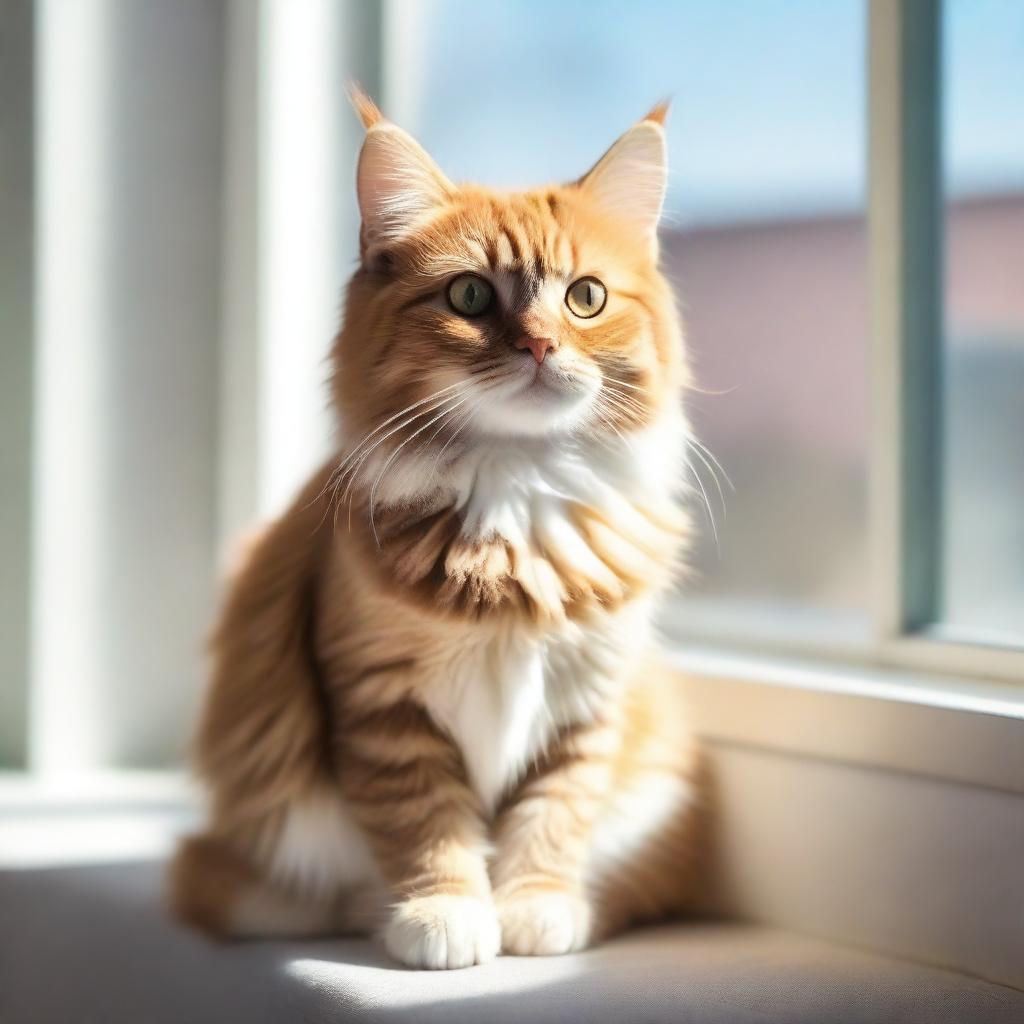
(465, 420)
(707, 451)
(624, 383)
(609, 386)
(430, 440)
(352, 470)
(464, 416)
(351, 461)
(487, 366)
(606, 421)
(415, 405)
(714, 476)
(391, 458)
(630, 411)
(604, 407)
(635, 411)
(705, 391)
(707, 504)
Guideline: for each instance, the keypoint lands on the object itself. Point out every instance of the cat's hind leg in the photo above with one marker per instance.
(214, 890)
(308, 873)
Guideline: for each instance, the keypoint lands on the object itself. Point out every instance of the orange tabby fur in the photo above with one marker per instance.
(443, 562)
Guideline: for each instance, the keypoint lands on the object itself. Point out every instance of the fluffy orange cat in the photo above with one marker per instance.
(437, 708)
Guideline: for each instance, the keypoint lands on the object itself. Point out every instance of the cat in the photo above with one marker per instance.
(437, 707)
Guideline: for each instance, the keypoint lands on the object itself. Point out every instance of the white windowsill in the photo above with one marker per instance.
(113, 790)
(982, 696)
(108, 817)
(959, 729)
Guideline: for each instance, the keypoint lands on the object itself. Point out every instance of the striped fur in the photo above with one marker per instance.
(436, 706)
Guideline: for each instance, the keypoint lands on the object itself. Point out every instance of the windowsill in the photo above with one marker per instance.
(109, 791)
(981, 696)
(97, 818)
(958, 729)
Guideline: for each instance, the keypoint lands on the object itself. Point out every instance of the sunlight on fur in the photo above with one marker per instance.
(437, 710)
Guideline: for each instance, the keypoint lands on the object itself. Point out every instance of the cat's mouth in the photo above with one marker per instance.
(536, 399)
(541, 381)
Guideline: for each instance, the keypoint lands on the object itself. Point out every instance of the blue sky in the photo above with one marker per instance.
(768, 95)
(984, 93)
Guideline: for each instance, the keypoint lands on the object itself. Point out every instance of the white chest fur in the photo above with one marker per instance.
(491, 700)
(503, 693)
(502, 699)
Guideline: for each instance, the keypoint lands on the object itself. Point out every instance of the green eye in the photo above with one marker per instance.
(586, 297)
(470, 295)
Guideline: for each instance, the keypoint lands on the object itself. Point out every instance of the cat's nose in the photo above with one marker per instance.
(538, 346)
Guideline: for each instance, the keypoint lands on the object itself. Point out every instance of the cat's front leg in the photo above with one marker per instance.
(405, 784)
(539, 869)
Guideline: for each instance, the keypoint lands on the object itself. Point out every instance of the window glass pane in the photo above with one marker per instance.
(983, 468)
(764, 238)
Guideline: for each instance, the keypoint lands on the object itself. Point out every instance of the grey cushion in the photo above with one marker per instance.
(92, 944)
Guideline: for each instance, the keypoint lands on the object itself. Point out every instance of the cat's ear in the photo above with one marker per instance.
(630, 179)
(397, 182)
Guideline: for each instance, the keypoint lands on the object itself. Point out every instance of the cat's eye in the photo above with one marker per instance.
(586, 297)
(470, 295)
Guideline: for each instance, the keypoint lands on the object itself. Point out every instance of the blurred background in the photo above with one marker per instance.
(177, 222)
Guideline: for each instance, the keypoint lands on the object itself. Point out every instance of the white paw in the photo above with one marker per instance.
(544, 924)
(439, 932)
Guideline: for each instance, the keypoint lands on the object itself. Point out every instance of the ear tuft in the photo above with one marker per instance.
(630, 179)
(659, 112)
(368, 111)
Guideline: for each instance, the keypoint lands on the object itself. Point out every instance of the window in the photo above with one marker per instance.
(921, 477)
(982, 469)
(845, 226)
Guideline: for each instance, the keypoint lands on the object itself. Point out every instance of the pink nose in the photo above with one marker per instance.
(538, 346)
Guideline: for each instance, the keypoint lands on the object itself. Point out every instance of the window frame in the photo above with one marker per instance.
(906, 287)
